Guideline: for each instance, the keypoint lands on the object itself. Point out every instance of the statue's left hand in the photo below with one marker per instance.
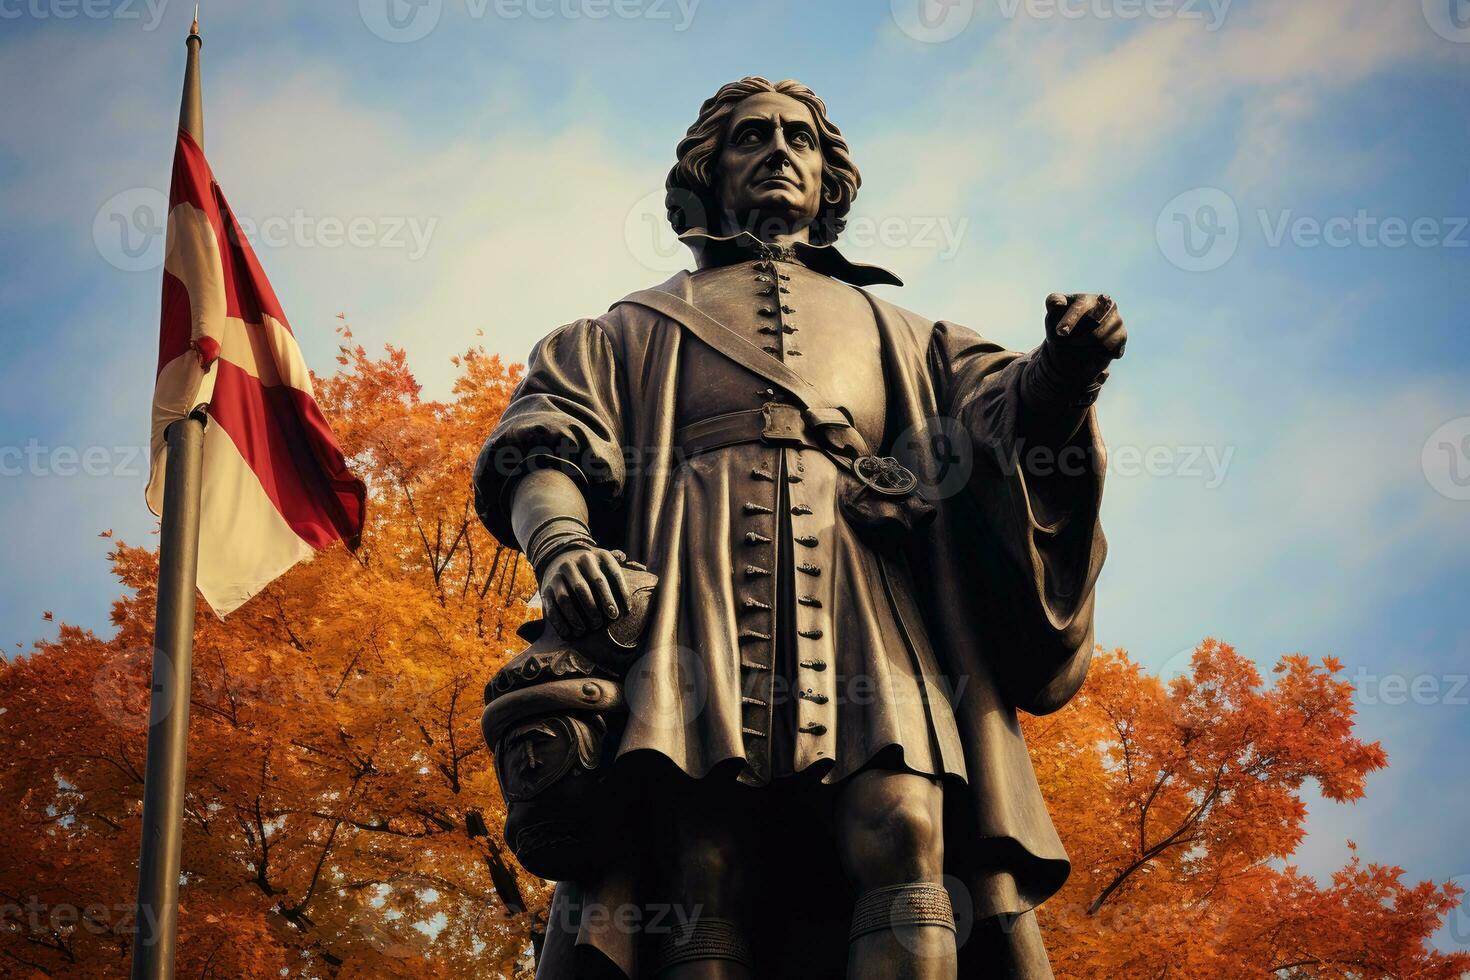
(1087, 325)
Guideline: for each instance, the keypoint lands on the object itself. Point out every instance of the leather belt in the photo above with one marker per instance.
(774, 424)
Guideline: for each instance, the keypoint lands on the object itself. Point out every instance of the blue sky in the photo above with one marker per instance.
(1276, 193)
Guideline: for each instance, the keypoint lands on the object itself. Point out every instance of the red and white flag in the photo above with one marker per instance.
(275, 487)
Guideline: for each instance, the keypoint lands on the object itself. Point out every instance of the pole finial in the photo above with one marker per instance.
(191, 106)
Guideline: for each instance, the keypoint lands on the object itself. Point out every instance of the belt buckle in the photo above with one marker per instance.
(783, 423)
(885, 475)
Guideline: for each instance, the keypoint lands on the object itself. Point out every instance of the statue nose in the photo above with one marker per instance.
(780, 154)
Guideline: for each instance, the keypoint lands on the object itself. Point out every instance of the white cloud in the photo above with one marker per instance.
(1172, 78)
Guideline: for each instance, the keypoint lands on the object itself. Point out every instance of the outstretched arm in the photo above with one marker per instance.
(1035, 515)
(1084, 334)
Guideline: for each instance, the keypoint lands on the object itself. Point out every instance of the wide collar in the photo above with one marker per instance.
(711, 251)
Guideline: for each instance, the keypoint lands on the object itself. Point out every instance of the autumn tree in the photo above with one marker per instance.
(1180, 804)
(342, 814)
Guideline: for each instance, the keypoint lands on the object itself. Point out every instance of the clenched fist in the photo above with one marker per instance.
(1086, 325)
(582, 590)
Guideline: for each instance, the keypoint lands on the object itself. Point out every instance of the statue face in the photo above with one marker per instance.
(768, 177)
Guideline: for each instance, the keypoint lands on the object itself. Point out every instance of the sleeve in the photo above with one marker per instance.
(566, 413)
(1034, 517)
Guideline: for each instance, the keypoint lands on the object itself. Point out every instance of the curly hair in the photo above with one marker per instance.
(690, 197)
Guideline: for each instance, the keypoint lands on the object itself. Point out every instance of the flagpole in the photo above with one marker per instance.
(165, 775)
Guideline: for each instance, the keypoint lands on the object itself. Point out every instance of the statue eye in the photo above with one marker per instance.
(749, 136)
(802, 139)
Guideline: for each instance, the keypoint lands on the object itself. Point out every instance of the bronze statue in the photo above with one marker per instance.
(860, 541)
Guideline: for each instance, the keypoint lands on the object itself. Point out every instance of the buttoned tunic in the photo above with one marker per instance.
(793, 645)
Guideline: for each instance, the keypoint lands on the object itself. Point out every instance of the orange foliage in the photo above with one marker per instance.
(343, 819)
(1180, 803)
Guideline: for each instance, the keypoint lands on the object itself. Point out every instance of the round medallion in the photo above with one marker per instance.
(885, 475)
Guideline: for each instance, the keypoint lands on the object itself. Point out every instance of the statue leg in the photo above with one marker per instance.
(1011, 948)
(705, 879)
(890, 829)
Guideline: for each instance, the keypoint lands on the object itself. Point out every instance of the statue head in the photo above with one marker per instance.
(763, 157)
